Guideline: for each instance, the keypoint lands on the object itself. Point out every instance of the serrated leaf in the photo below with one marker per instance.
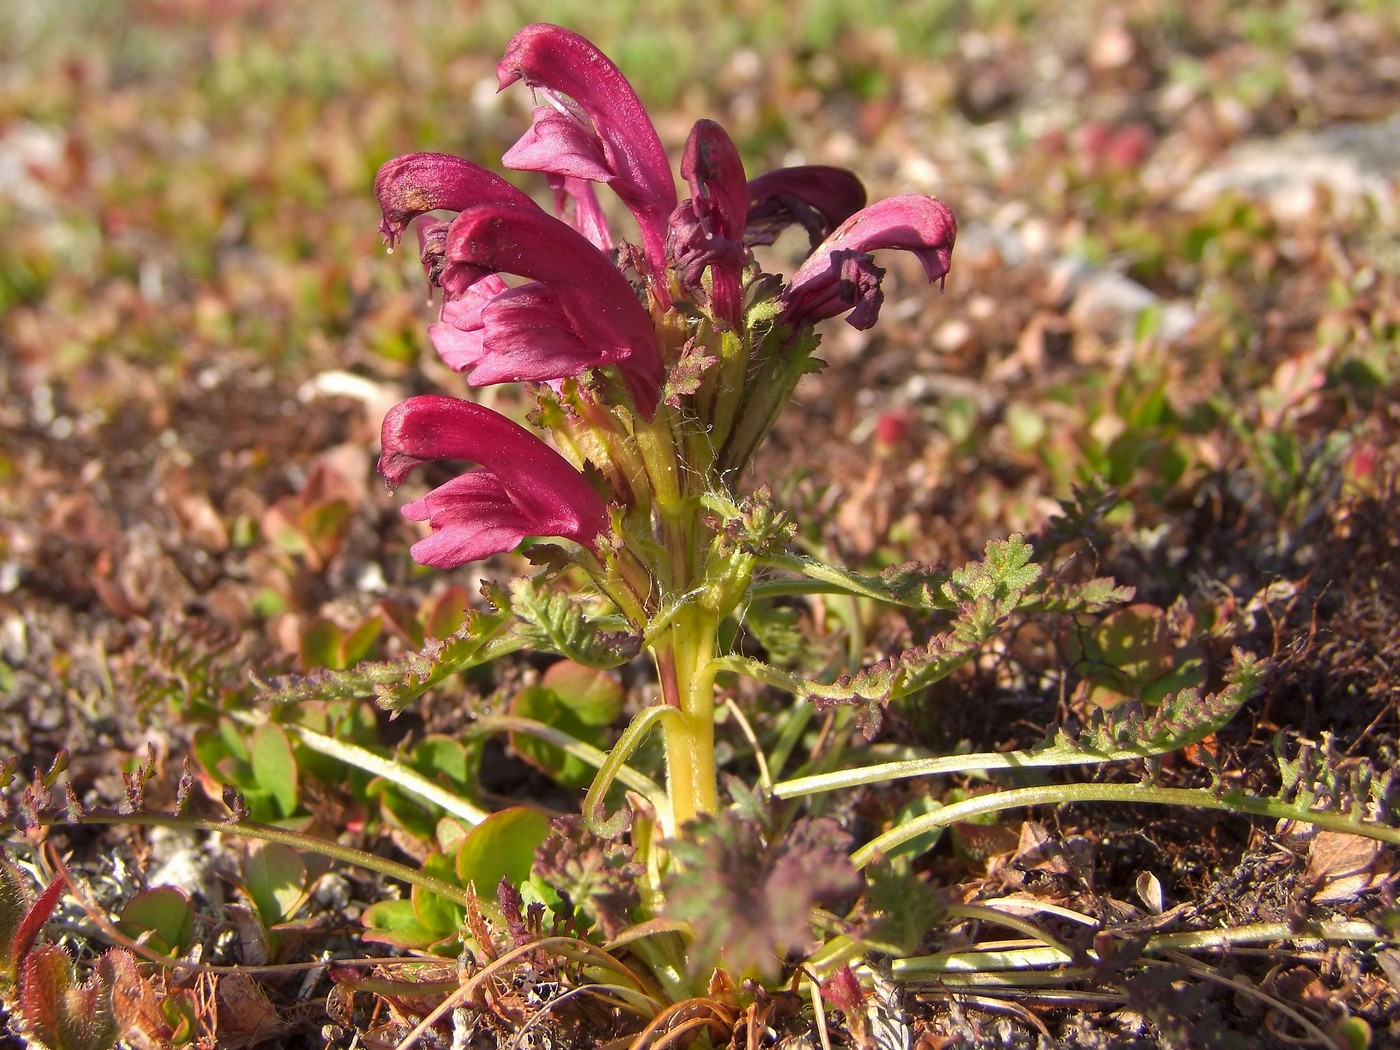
(1003, 575)
(396, 683)
(15, 899)
(872, 688)
(557, 623)
(61, 1013)
(1181, 719)
(898, 910)
(687, 373)
(598, 876)
(749, 900)
(36, 912)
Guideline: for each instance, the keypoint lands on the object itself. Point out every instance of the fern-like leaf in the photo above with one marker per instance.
(552, 622)
(484, 636)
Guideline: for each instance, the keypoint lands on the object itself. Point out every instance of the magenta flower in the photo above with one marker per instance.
(418, 183)
(577, 204)
(593, 128)
(523, 488)
(458, 337)
(841, 275)
(510, 335)
(707, 231)
(817, 197)
(581, 313)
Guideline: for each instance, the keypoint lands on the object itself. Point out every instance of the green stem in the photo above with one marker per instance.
(1011, 965)
(1058, 794)
(612, 760)
(690, 737)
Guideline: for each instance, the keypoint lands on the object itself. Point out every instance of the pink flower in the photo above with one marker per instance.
(841, 275)
(510, 335)
(523, 488)
(581, 313)
(593, 128)
(418, 183)
(707, 231)
(815, 196)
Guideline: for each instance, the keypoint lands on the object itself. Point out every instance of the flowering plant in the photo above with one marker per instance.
(658, 367)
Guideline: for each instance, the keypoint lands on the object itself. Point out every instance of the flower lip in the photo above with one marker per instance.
(818, 197)
(511, 335)
(523, 487)
(618, 136)
(841, 275)
(599, 303)
(707, 230)
(418, 183)
(712, 166)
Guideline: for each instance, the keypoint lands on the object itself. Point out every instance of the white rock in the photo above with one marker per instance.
(1353, 162)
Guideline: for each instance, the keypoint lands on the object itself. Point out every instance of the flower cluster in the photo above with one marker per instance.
(660, 365)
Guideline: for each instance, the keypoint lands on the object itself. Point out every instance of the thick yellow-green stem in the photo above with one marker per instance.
(690, 739)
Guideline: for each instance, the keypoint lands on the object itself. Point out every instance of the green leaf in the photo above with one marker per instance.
(557, 623)
(913, 809)
(275, 877)
(438, 753)
(501, 846)
(1027, 426)
(577, 700)
(594, 696)
(437, 914)
(320, 645)
(443, 761)
(274, 766)
(899, 910)
(778, 629)
(1131, 654)
(232, 735)
(165, 913)
(396, 922)
(448, 614)
(356, 644)
(350, 721)
(396, 683)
